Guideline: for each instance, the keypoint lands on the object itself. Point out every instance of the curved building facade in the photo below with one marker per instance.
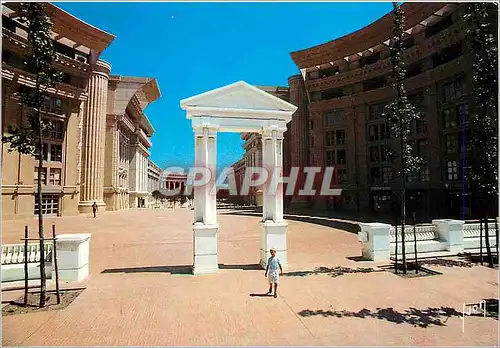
(341, 123)
(82, 109)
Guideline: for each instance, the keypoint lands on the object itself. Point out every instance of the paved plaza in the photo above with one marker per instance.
(140, 291)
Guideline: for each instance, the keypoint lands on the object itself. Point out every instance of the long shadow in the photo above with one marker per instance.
(318, 220)
(332, 272)
(417, 317)
(260, 295)
(154, 269)
(249, 267)
(182, 269)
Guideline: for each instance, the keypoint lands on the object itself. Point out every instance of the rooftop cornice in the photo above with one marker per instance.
(370, 36)
(73, 28)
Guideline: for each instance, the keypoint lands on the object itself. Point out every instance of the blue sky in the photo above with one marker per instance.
(191, 48)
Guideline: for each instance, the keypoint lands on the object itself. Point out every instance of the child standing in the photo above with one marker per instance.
(272, 267)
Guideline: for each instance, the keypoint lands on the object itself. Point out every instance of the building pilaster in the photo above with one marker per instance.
(94, 134)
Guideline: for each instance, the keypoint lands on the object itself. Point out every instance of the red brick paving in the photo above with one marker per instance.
(152, 307)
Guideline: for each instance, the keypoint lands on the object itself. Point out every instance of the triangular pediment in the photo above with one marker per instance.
(238, 96)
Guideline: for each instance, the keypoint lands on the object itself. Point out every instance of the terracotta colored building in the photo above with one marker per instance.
(342, 95)
(76, 172)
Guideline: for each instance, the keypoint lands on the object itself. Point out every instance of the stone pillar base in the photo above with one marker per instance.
(72, 256)
(205, 249)
(85, 207)
(273, 235)
(375, 238)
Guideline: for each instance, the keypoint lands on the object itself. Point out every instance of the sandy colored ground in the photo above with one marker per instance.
(140, 293)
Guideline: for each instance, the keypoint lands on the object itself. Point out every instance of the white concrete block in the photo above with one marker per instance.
(73, 256)
(451, 233)
(205, 248)
(376, 248)
(273, 235)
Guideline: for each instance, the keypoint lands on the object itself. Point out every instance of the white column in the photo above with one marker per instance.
(205, 227)
(273, 233)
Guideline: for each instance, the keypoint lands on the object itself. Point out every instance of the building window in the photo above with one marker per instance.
(375, 83)
(341, 175)
(311, 124)
(50, 204)
(340, 137)
(412, 177)
(334, 70)
(454, 90)
(375, 112)
(44, 176)
(334, 118)
(52, 105)
(447, 55)
(341, 157)
(55, 153)
(452, 170)
(421, 124)
(451, 143)
(374, 154)
(330, 158)
(54, 130)
(449, 118)
(421, 148)
(55, 176)
(424, 174)
(329, 138)
(373, 133)
(312, 141)
(386, 175)
(375, 175)
(332, 93)
(463, 112)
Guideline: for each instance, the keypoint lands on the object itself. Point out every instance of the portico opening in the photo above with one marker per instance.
(238, 107)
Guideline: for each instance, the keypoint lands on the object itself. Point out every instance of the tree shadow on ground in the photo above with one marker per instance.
(182, 269)
(445, 263)
(475, 258)
(332, 272)
(351, 227)
(417, 317)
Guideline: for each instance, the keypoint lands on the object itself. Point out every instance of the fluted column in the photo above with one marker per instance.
(94, 134)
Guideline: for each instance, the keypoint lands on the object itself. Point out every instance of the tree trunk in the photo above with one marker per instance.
(496, 239)
(415, 241)
(26, 266)
(481, 240)
(40, 214)
(403, 199)
(396, 254)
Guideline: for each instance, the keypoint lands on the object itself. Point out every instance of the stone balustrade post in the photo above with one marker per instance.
(73, 256)
(451, 233)
(375, 238)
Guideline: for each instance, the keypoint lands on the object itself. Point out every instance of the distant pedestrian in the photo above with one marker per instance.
(273, 264)
(94, 208)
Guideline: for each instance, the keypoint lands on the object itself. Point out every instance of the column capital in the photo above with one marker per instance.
(209, 130)
(273, 132)
(101, 68)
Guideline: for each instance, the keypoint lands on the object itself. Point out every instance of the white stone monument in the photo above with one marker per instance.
(238, 107)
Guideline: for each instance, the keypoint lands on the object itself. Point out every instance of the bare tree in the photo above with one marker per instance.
(27, 137)
(399, 115)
